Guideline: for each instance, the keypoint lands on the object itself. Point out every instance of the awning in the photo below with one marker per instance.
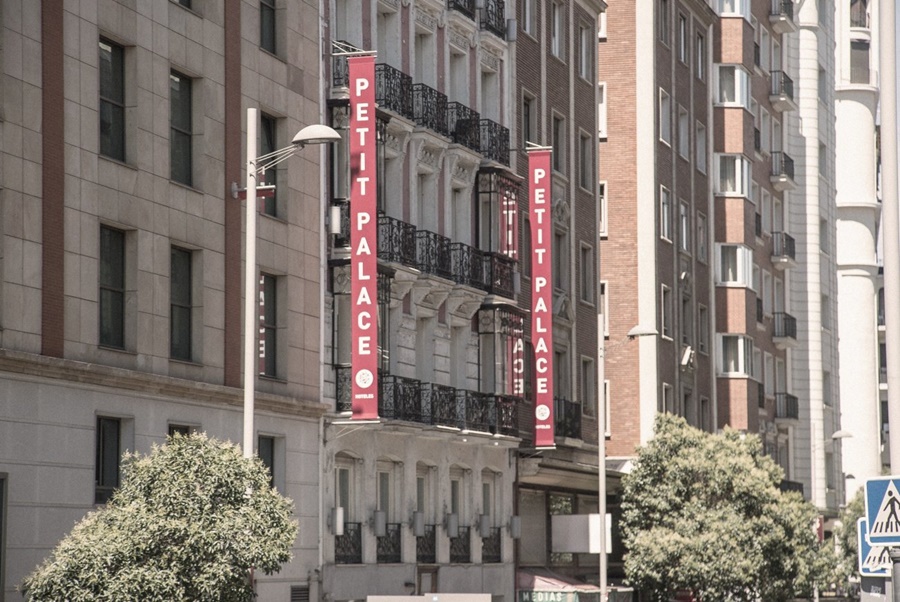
(544, 585)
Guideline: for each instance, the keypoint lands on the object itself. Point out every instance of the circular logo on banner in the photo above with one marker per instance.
(542, 412)
(364, 378)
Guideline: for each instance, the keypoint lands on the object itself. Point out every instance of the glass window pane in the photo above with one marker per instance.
(267, 25)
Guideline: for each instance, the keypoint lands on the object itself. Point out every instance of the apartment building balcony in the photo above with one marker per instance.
(461, 547)
(782, 177)
(397, 241)
(781, 91)
(433, 254)
(387, 546)
(781, 16)
(785, 335)
(493, 18)
(430, 109)
(567, 421)
(348, 547)
(340, 75)
(783, 251)
(464, 126)
(494, 142)
(468, 265)
(426, 546)
(466, 7)
(787, 407)
(490, 547)
(499, 272)
(394, 90)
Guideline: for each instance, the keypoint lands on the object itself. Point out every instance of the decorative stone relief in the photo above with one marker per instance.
(561, 212)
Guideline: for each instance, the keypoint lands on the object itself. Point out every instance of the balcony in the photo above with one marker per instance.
(781, 92)
(498, 275)
(400, 398)
(394, 90)
(461, 547)
(494, 142)
(388, 545)
(340, 76)
(426, 546)
(782, 177)
(397, 241)
(783, 251)
(466, 7)
(568, 418)
(781, 16)
(464, 126)
(785, 330)
(348, 547)
(493, 18)
(490, 547)
(430, 109)
(787, 407)
(468, 265)
(433, 253)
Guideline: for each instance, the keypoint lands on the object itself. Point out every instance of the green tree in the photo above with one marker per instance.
(189, 522)
(847, 546)
(704, 513)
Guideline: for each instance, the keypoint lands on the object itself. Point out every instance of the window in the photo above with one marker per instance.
(702, 329)
(736, 355)
(267, 25)
(733, 176)
(767, 292)
(268, 143)
(586, 160)
(180, 158)
(701, 56)
(185, 3)
(112, 288)
(739, 8)
(665, 117)
(601, 190)
(823, 158)
(824, 238)
(665, 214)
(559, 143)
(734, 86)
(684, 223)
(684, 133)
(112, 100)
(700, 147)
(108, 451)
(604, 306)
(180, 429)
(664, 21)
(586, 54)
(702, 236)
(528, 119)
(755, 282)
(562, 373)
(383, 487)
(601, 27)
(588, 275)
(601, 110)
(265, 446)
(528, 16)
(560, 260)
(269, 326)
(769, 376)
(735, 265)
(756, 366)
(682, 38)
(666, 311)
(588, 388)
(556, 30)
(826, 312)
(180, 305)
(344, 486)
(765, 45)
(766, 210)
(668, 399)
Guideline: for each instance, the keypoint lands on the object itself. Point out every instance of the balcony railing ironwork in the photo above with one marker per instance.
(468, 265)
(426, 546)
(464, 125)
(466, 7)
(388, 545)
(785, 325)
(782, 84)
(461, 547)
(396, 241)
(784, 8)
(568, 418)
(494, 141)
(394, 90)
(782, 165)
(430, 108)
(348, 547)
(475, 409)
(439, 405)
(507, 413)
(498, 275)
(400, 398)
(340, 75)
(493, 17)
(490, 547)
(783, 245)
(434, 254)
(787, 406)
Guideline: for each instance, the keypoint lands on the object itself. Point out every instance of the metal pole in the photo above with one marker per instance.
(601, 441)
(250, 287)
(894, 553)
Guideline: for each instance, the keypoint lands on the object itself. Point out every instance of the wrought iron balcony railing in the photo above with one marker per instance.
(568, 418)
(785, 325)
(439, 404)
(466, 7)
(430, 108)
(434, 254)
(348, 547)
(476, 409)
(498, 275)
(388, 545)
(396, 241)
(394, 90)
(340, 76)
(782, 84)
(783, 245)
(490, 547)
(400, 398)
(493, 17)
(787, 486)
(461, 547)
(507, 422)
(468, 265)
(464, 125)
(495, 141)
(426, 546)
(782, 165)
(787, 406)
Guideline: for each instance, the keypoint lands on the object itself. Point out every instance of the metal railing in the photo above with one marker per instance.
(461, 547)
(493, 17)
(782, 165)
(785, 325)
(494, 141)
(782, 84)
(783, 245)
(466, 7)
(348, 547)
(430, 108)
(340, 75)
(490, 547)
(400, 398)
(568, 418)
(783, 8)
(426, 546)
(507, 415)
(474, 409)
(464, 125)
(434, 255)
(394, 90)
(388, 545)
(787, 406)
(498, 275)
(468, 265)
(396, 241)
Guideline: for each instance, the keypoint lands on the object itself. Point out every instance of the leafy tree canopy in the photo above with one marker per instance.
(189, 522)
(847, 547)
(704, 513)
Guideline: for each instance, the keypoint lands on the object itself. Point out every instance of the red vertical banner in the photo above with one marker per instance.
(539, 195)
(363, 239)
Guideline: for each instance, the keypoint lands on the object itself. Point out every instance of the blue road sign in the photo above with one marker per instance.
(883, 511)
(874, 561)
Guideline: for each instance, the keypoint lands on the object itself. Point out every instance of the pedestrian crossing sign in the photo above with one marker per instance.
(883, 511)
(874, 561)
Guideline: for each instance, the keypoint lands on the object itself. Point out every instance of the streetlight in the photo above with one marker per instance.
(311, 134)
(637, 331)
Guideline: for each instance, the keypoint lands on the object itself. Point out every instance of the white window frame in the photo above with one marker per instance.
(529, 9)
(700, 147)
(588, 277)
(684, 222)
(603, 191)
(684, 133)
(743, 267)
(702, 238)
(703, 329)
(602, 120)
(744, 354)
(665, 214)
(683, 35)
(769, 375)
(601, 26)
(741, 170)
(665, 117)
(556, 30)
(604, 306)
(666, 319)
(700, 52)
(767, 292)
(741, 83)
(733, 8)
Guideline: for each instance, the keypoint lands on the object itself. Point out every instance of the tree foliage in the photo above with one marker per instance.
(846, 569)
(704, 513)
(189, 522)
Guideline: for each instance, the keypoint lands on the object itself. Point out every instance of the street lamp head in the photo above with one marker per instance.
(841, 434)
(315, 134)
(642, 331)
